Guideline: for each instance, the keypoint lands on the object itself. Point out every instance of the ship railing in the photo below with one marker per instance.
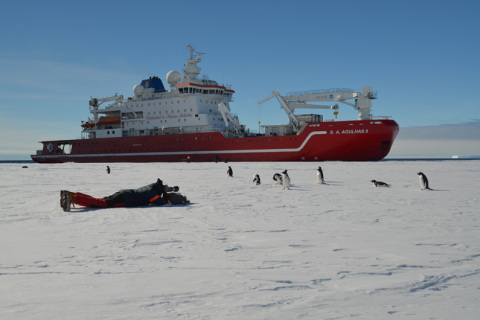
(105, 110)
(332, 90)
(381, 117)
(162, 95)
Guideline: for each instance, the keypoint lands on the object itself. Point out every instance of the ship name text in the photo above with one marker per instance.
(357, 131)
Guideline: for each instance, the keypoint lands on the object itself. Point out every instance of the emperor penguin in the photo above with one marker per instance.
(320, 176)
(423, 181)
(285, 180)
(230, 171)
(256, 179)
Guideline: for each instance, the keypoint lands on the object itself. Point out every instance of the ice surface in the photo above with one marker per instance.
(343, 250)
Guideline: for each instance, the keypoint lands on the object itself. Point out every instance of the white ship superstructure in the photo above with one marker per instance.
(190, 105)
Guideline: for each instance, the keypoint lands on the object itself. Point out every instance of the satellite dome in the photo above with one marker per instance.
(138, 90)
(173, 78)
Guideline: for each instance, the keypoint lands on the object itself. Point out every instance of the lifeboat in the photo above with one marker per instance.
(87, 125)
(109, 120)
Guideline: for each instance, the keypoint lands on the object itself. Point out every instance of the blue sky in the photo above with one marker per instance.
(420, 56)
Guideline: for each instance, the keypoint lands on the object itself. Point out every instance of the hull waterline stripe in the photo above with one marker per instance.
(186, 152)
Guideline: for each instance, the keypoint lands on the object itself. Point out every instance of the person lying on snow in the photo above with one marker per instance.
(153, 194)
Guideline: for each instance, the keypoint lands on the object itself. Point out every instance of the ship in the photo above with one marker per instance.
(192, 121)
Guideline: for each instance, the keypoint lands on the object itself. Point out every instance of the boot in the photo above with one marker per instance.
(67, 199)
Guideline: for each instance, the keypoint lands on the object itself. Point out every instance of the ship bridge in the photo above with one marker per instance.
(194, 88)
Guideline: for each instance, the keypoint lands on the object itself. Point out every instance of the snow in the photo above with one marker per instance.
(241, 251)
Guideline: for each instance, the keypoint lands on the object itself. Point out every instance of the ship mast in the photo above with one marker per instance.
(191, 71)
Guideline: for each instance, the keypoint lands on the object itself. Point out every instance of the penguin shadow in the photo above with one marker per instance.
(332, 183)
(296, 188)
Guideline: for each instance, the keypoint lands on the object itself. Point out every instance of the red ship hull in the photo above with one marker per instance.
(365, 140)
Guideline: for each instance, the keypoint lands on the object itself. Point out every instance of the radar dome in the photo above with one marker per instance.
(173, 78)
(138, 90)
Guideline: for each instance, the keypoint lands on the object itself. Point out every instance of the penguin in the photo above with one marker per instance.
(423, 181)
(108, 169)
(278, 178)
(379, 184)
(320, 176)
(285, 180)
(256, 179)
(230, 171)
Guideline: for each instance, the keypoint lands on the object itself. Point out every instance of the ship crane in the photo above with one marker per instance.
(227, 115)
(299, 100)
(363, 100)
(290, 106)
(97, 102)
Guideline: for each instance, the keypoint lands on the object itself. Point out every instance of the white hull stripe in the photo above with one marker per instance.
(136, 154)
